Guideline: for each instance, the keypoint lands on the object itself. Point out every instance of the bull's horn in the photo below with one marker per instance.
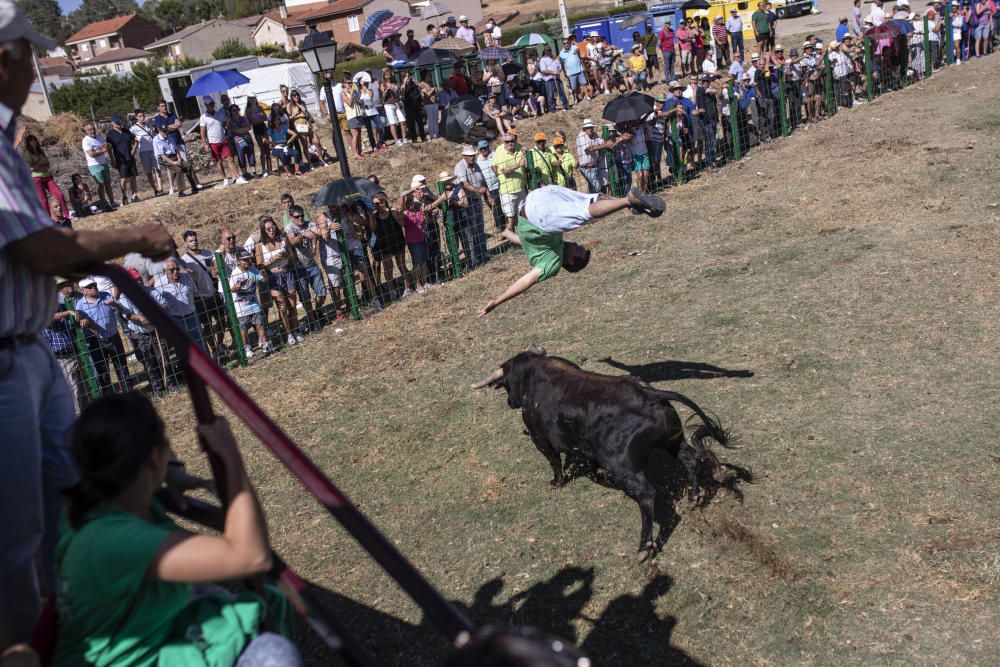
(536, 349)
(496, 375)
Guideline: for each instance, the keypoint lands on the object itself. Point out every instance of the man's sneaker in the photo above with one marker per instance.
(651, 205)
(406, 293)
(241, 181)
(135, 198)
(422, 289)
(266, 348)
(265, 174)
(248, 352)
(292, 340)
(224, 183)
(298, 337)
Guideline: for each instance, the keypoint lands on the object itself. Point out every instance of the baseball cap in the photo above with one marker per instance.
(779, 47)
(558, 141)
(89, 280)
(463, 17)
(207, 99)
(418, 180)
(468, 150)
(62, 280)
(134, 273)
(483, 144)
(539, 136)
(116, 118)
(14, 25)
(588, 123)
(243, 254)
(593, 33)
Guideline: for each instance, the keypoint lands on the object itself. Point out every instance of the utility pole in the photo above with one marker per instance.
(41, 80)
(563, 18)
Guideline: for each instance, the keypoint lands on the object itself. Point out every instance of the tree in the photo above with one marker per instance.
(47, 17)
(231, 48)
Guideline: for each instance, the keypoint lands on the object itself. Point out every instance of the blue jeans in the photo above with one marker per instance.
(269, 649)
(668, 65)
(710, 131)
(469, 226)
(192, 326)
(737, 39)
(655, 155)
(36, 413)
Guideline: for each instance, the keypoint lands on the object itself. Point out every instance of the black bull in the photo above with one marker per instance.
(615, 421)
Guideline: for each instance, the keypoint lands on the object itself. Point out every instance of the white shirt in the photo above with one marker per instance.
(734, 24)
(200, 265)
(551, 64)
(468, 34)
(214, 130)
(709, 66)
(877, 15)
(932, 36)
(145, 137)
(92, 144)
(338, 97)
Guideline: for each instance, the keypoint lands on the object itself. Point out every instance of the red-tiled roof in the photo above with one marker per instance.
(295, 14)
(56, 66)
(116, 56)
(100, 28)
(333, 9)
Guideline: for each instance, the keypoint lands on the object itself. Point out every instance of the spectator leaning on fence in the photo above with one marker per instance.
(99, 319)
(272, 257)
(591, 152)
(149, 349)
(302, 234)
(179, 292)
(243, 282)
(200, 265)
(60, 335)
(469, 220)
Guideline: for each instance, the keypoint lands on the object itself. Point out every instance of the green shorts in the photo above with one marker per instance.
(640, 162)
(100, 172)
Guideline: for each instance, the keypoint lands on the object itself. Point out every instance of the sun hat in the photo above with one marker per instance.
(674, 84)
(468, 150)
(445, 176)
(754, 56)
(794, 53)
(807, 45)
(418, 180)
(834, 44)
(636, 47)
(540, 136)
(779, 47)
(14, 25)
(558, 141)
(588, 123)
(483, 144)
(63, 280)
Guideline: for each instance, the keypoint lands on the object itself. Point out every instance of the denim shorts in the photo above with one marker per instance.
(282, 283)
(309, 277)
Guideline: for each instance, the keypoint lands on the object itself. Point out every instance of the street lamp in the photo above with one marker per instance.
(320, 53)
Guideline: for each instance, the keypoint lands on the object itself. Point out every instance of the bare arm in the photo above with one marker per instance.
(242, 550)
(57, 250)
(518, 287)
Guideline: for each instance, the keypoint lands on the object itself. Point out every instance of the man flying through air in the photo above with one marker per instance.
(546, 215)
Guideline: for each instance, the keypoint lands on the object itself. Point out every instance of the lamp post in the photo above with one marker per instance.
(320, 52)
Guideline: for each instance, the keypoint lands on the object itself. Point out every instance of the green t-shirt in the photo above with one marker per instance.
(112, 613)
(760, 24)
(543, 249)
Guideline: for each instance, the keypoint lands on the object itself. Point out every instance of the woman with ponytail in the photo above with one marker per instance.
(127, 574)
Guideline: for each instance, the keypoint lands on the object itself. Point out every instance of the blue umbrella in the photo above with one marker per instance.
(371, 25)
(216, 82)
(905, 27)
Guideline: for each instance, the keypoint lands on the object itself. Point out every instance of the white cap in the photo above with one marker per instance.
(593, 33)
(89, 280)
(468, 150)
(207, 99)
(588, 123)
(463, 17)
(417, 181)
(14, 25)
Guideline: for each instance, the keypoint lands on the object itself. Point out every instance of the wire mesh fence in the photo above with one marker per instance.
(317, 268)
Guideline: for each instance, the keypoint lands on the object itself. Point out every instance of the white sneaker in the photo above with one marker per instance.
(248, 352)
(240, 181)
(265, 174)
(422, 290)
(224, 183)
(292, 340)
(266, 348)
(298, 337)
(406, 293)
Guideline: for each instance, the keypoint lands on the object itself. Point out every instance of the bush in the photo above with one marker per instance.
(231, 48)
(106, 95)
(270, 50)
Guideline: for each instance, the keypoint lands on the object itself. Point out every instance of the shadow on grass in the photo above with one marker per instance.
(666, 371)
(628, 632)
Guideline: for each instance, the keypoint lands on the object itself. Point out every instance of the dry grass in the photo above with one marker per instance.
(62, 133)
(850, 267)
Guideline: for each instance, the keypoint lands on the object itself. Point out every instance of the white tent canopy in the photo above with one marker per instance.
(266, 81)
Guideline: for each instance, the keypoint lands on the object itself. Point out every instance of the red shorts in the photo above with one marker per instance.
(220, 150)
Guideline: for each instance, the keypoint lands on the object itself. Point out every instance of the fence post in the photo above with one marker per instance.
(83, 352)
(609, 161)
(678, 154)
(345, 259)
(782, 104)
(949, 38)
(831, 100)
(928, 61)
(449, 232)
(734, 124)
(532, 179)
(234, 324)
(869, 76)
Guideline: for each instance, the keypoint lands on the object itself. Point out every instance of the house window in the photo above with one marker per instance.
(119, 67)
(353, 25)
(85, 47)
(102, 43)
(176, 49)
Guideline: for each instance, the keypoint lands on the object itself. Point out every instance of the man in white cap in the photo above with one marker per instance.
(464, 31)
(469, 220)
(37, 404)
(551, 211)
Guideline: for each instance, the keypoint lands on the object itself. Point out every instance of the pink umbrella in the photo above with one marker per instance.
(391, 26)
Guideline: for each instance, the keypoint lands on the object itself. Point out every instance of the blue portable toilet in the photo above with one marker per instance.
(668, 12)
(582, 29)
(622, 37)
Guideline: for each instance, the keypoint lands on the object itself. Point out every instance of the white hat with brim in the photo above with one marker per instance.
(445, 176)
(588, 123)
(417, 181)
(89, 280)
(14, 25)
(468, 150)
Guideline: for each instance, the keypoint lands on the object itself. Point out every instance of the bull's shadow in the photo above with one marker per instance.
(672, 369)
(628, 632)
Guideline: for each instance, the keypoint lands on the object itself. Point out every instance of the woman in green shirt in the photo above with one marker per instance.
(126, 592)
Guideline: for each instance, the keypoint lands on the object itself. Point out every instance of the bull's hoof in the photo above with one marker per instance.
(556, 484)
(647, 551)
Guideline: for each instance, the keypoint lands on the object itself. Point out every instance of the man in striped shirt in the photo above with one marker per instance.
(36, 406)
(721, 38)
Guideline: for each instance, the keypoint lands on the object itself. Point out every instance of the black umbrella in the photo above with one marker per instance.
(459, 117)
(625, 108)
(429, 57)
(696, 4)
(345, 191)
(511, 68)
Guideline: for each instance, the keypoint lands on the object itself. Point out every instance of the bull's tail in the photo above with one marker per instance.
(709, 427)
